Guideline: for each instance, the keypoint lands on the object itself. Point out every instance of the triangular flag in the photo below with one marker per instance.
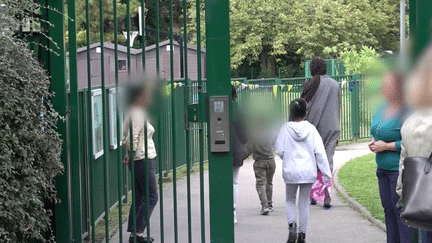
(275, 90)
(168, 90)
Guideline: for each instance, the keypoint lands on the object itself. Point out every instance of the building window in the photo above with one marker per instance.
(122, 65)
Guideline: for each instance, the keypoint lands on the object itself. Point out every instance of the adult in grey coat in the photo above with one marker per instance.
(323, 96)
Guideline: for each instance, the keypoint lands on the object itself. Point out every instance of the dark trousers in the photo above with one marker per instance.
(425, 236)
(140, 194)
(396, 230)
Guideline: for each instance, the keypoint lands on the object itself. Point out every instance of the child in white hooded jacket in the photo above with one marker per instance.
(302, 151)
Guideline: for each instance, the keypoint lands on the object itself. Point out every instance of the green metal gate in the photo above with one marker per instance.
(96, 186)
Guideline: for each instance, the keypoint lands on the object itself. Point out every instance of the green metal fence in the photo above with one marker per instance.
(355, 112)
(335, 67)
(96, 184)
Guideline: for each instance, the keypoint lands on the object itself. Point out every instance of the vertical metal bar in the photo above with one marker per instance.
(421, 24)
(402, 27)
(143, 42)
(355, 108)
(54, 14)
(90, 126)
(104, 122)
(187, 91)
(128, 39)
(160, 171)
(74, 123)
(173, 121)
(218, 83)
(131, 125)
(118, 119)
(413, 26)
(147, 215)
(201, 110)
(161, 118)
(132, 166)
(143, 35)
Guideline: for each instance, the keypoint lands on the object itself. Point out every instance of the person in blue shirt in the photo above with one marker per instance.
(386, 144)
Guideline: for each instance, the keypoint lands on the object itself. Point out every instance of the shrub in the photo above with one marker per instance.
(29, 146)
(359, 62)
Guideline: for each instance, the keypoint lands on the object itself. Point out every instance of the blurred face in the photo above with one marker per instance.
(419, 88)
(144, 100)
(391, 88)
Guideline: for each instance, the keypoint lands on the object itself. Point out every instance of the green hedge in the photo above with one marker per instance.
(29, 146)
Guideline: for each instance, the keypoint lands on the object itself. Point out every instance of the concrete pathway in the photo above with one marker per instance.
(341, 224)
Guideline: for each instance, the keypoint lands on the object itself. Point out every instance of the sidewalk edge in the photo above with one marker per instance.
(356, 205)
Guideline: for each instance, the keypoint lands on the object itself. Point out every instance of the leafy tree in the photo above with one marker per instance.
(29, 146)
(108, 23)
(267, 30)
(329, 23)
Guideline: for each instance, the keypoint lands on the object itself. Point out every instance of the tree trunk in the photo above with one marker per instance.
(268, 63)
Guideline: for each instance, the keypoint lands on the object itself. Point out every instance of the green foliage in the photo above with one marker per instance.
(359, 62)
(265, 30)
(358, 178)
(29, 146)
(266, 73)
(108, 22)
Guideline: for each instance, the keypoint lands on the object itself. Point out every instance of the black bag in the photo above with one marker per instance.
(417, 193)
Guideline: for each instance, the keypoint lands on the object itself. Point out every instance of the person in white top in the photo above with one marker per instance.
(302, 151)
(139, 100)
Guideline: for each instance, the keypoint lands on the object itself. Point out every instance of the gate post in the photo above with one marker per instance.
(218, 84)
(420, 29)
(355, 107)
(420, 17)
(56, 66)
(74, 138)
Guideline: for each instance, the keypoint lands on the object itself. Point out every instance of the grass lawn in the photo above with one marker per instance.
(358, 178)
(361, 140)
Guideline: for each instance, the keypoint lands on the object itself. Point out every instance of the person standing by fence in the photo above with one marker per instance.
(322, 94)
(139, 100)
(386, 144)
(417, 129)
